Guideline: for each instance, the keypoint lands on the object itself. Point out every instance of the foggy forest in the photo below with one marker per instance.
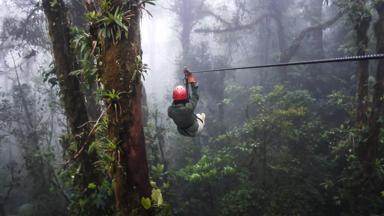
(191, 108)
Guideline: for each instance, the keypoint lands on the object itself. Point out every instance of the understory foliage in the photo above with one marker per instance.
(97, 195)
(29, 162)
(276, 141)
(279, 141)
(284, 160)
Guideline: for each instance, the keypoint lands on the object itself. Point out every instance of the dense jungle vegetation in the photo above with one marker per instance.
(80, 135)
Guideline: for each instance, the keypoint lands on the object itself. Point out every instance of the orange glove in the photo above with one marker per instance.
(190, 78)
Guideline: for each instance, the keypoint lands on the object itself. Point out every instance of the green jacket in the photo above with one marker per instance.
(183, 113)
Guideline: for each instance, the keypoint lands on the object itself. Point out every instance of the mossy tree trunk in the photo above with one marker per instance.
(361, 26)
(70, 89)
(121, 72)
(368, 151)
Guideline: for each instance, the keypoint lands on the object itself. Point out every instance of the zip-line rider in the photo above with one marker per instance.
(183, 106)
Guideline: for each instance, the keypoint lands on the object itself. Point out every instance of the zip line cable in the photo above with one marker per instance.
(316, 61)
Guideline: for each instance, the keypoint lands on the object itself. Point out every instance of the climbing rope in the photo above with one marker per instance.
(316, 61)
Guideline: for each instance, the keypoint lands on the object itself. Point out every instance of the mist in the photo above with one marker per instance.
(91, 122)
(161, 48)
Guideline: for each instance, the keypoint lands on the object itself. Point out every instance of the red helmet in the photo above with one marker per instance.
(180, 93)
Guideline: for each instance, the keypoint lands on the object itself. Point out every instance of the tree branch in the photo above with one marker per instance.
(292, 49)
(231, 28)
(219, 18)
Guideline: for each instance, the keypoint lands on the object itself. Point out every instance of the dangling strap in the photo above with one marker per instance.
(199, 118)
(187, 132)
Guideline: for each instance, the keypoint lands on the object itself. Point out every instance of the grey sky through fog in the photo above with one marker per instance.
(161, 49)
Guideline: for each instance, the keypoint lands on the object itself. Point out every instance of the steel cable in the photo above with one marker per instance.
(316, 61)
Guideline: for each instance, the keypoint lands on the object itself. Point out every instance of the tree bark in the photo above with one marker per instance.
(77, 11)
(125, 123)
(72, 97)
(369, 150)
(361, 27)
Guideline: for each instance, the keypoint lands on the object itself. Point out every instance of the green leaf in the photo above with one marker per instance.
(76, 72)
(92, 186)
(159, 168)
(150, 2)
(153, 184)
(146, 202)
(122, 25)
(157, 197)
(53, 3)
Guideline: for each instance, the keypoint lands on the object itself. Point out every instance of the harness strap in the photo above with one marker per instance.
(199, 118)
(186, 132)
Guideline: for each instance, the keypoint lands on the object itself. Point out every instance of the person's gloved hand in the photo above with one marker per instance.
(190, 78)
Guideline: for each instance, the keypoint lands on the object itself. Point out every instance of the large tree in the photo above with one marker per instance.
(73, 100)
(361, 18)
(369, 149)
(72, 96)
(121, 73)
(116, 32)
